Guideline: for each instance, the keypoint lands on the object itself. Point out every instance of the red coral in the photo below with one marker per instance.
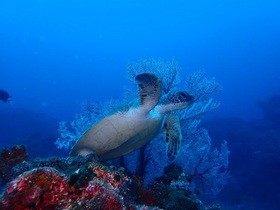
(45, 188)
(10, 158)
(145, 195)
(105, 200)
(104, 190)
(115, 178)
(149, 197)
(41, 188)
(15, 155)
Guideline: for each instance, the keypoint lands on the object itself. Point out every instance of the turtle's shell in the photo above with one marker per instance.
(123, 132)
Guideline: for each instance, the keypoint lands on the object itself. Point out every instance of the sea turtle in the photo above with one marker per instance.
(123, 132)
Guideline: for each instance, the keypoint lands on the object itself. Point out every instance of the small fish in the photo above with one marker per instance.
(4, 96)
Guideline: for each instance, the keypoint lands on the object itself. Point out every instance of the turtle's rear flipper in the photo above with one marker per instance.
(173, 135)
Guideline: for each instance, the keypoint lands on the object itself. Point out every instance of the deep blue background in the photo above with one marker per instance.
(55, 54)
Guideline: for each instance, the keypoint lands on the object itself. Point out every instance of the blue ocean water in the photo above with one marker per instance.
(56, 54)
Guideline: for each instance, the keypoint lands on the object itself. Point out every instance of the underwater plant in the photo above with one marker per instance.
(213, 163)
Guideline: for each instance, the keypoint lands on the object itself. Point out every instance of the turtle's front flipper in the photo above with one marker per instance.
(149, 90)
(173, 135)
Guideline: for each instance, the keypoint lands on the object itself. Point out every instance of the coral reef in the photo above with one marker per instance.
(85, 183)
(39, 188)
(10, 158)
(171, 191)
(94, 186)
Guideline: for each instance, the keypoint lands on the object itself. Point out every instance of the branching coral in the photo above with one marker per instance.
(206, 166)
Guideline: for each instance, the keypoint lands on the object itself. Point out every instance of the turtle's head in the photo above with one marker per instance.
(175, 101)
(181, 97)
